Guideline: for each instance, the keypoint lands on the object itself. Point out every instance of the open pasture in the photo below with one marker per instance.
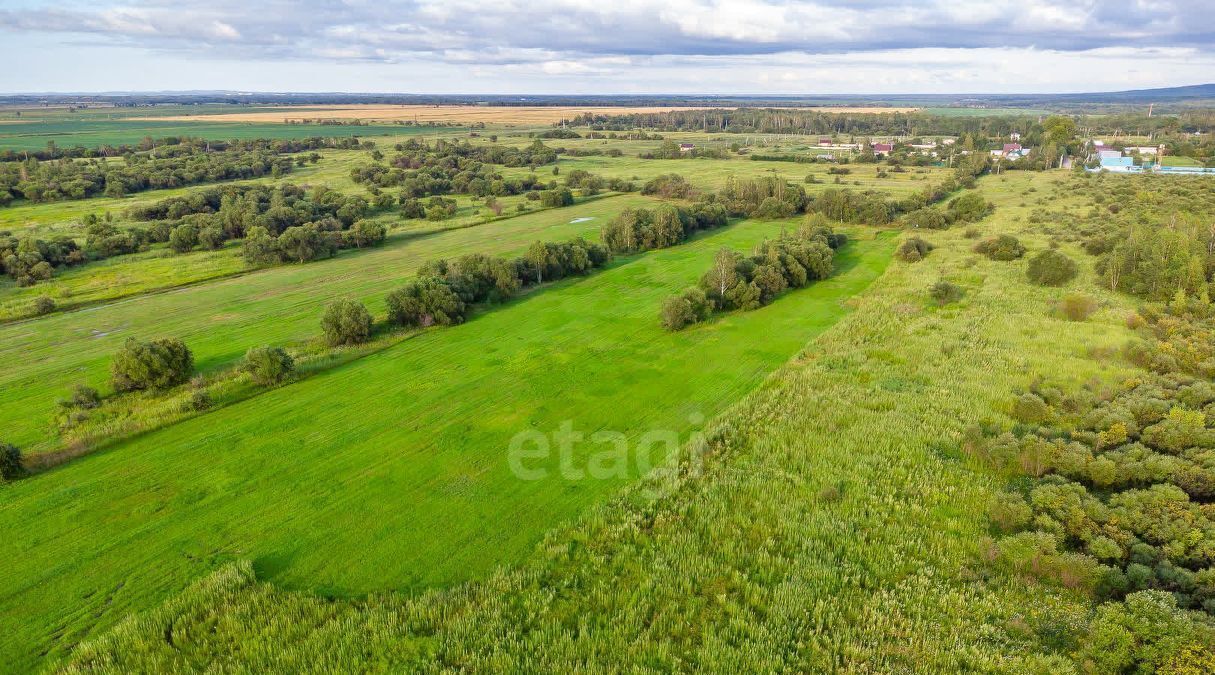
(392, 472)
(220, 320)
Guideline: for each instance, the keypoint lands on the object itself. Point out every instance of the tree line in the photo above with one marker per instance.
(739, 282)
(178, 165)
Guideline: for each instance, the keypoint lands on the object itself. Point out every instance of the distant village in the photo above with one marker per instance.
(1095, 156)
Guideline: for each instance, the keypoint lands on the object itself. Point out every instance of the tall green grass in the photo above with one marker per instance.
(392, 472)
(835, 524)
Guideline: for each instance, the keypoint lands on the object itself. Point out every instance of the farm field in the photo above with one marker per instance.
(423, 430)
(858, 476)
(35, 135)
(838, 513)
(222, 319)
(465, 114)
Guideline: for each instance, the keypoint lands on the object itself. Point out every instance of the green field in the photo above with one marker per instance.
(827, 511)
(839, 527)
(221, 320)
(380, 475)
(69, 133)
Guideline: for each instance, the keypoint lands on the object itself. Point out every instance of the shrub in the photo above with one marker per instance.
(268, 365)
(676, 314)
(969, 207)
(43, 305)
(926, 218)
(1003, 247)
(557, 197)
(425, 302)
(1077, 306)
(211, 237)
(151, 365)
(198, 402)
(668, 186)
(346, 322)
(1030, 408)
(183, 238)
(260, 248)
(913, 250)
(690, 306)
(1051, 268)
(303, 243)
(944, 292)
(10, 462)
(366, 233)
(1009, 512)
(82, 398)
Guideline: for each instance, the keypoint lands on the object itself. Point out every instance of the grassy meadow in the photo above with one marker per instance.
(423, 429)
(41, 359)
(835, 524)
(823, 519)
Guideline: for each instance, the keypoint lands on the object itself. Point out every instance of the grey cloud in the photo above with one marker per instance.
(521, 32)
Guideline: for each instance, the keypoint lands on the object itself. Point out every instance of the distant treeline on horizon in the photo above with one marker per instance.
(1187, 95)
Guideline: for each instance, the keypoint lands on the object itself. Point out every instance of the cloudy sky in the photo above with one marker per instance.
(607, 46)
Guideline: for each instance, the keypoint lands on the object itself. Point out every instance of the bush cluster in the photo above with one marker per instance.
(1051, 268)
(667, 225)
(156, 364)
(1002, 247)
(913, 249)
(743, 282)
(176, 165)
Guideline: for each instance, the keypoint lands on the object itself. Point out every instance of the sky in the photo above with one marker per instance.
(606, 46)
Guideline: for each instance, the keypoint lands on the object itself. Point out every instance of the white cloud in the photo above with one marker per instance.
(819, 45)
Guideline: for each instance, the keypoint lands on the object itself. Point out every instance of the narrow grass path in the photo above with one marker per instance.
(393, 472)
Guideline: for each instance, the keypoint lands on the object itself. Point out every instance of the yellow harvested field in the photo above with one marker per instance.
(456, 114)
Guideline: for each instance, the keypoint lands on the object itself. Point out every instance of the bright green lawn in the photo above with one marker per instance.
(392, 472)
(1175, 160)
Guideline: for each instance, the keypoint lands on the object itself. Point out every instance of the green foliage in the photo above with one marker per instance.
(789, 261)
(82, 398)
(346, 322)
(557, 197)
(944, 292)
(1051, 268)
(304, 243)
(1078, 306)
(690, 306)
(268, 365)
(1001, 247)
(926, 218)
(913, 249)
(425, 302)
(1153, 260)
(11, 467)
(668, 186)
(183, 238)
(156, 364)
(1148, 634)
(968, 208)
(1030, 408)
(366, 233)
(43, 305)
